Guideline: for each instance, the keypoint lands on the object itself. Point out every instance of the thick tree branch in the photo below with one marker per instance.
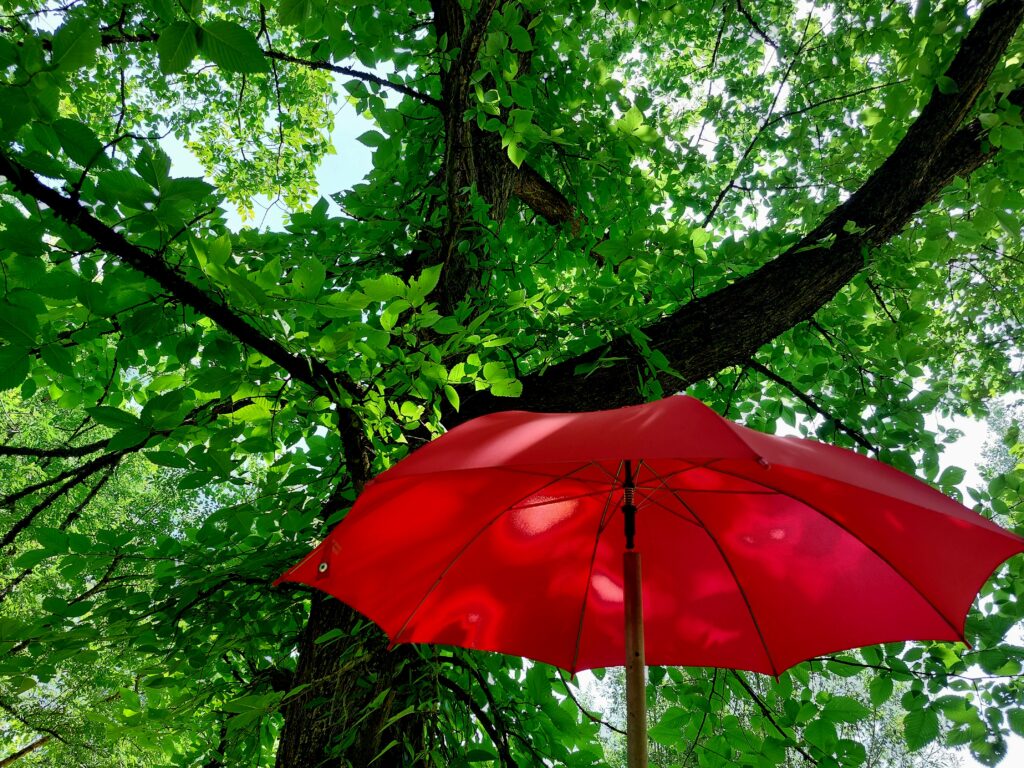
(75, 476)
(68, 521)
(310, 371)
(26, 750)
(788, 290)
(544, 199)
(52, 453)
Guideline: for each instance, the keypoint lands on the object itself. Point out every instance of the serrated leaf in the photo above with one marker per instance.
(630, 121)
(420, 287)
(32, 558)
(309, 278)
(18, 327)
(920, 728)
(845, 709)
(78, 141)
(452, 395)
(508, 388)
(1015, 717)
(880, 690)
(231, 47)
(372, 138)
(168, 459)
(293, 12)
(389, 317)
(988, 120)
(112, 417)
(153, 165)
(75, 44)
(669, 728)
(383, 288)
(177, 46)
(821, 733)
(952, 476)
(58, 358)
(516, 154)
(51, 539)
(66, 609)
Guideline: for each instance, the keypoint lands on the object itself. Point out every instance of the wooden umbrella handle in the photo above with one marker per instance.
(636, 686)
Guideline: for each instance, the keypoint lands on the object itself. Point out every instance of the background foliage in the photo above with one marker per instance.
(804, 214)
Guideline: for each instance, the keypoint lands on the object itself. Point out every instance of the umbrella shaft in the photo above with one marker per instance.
(636, 687)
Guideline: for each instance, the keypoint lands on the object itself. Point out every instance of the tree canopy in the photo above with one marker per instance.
(804, 213)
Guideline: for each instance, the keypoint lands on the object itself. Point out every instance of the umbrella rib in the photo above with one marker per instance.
(732, 572)
(590, 572)
(663, 480)
(673, 512)
(473, 539)
(856, 536)
(742, 592)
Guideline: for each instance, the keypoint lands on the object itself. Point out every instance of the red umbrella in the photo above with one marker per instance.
(514, 532)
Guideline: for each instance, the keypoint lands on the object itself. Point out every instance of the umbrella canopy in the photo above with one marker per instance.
(506, 534)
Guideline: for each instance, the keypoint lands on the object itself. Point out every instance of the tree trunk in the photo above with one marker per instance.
(355, 685)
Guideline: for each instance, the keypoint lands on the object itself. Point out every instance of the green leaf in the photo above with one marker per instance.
(153, 165)
(1015, 718)
(988, 120)
(231, 47)
(508, 388)
(119, 187)
(669, 728)
(952, 476)
(871, 116)
(947, 85)
(309, 278)
(18, 327)
(78, 141)
(58, 358)
(293, 12)
(168, 459)
(75, 44)
(822, 734)
(372, 138)
(420, 287)
(177, 46)
(516, 154)
(920, 728)
(452, 395)
(630, 121)
(1007, 136)
(32, 558)
(389, 317)
(59, 607)
(383, 288)
(112, 417)
(52, 540)
(845, 709)
(520, 38)
(880, 689)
